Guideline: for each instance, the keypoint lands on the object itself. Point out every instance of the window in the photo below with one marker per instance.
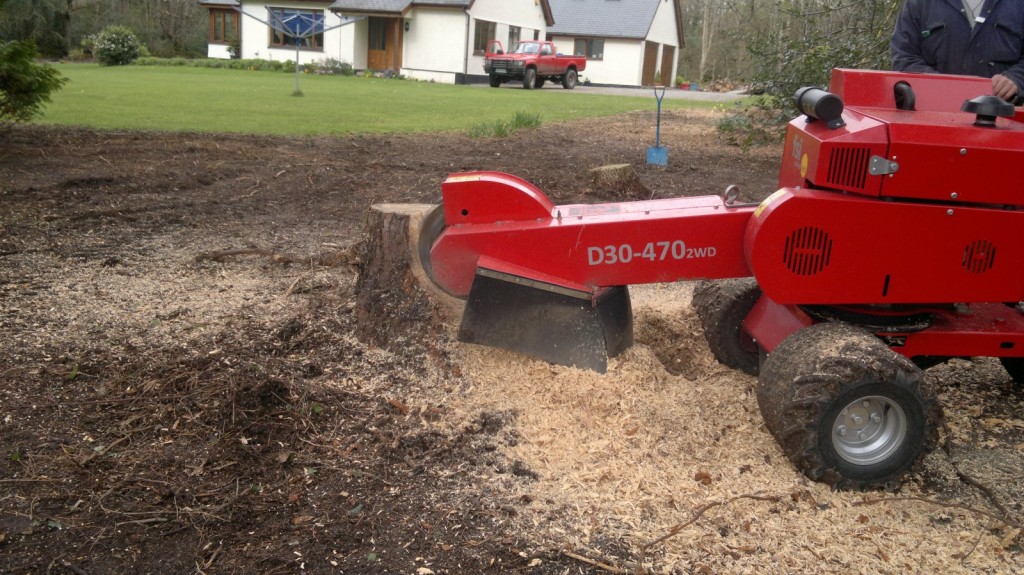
(223, 26)
(378, 34)
(592, 48)
(485, 32)
(513, 36)
(307, 25)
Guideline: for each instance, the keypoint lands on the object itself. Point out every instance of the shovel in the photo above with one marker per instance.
(657, 154)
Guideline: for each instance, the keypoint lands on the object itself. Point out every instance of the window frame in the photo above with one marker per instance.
(588, 45)
(220, 15)
(513, 38)
(489, 31)
(280, 40)
(377, 29)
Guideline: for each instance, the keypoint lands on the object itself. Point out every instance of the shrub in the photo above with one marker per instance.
(757, 122)
(115, 46)
(25, 86)
(235, 47)
(330, 67)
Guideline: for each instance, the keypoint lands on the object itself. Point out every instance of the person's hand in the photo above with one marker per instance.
(1003, 87)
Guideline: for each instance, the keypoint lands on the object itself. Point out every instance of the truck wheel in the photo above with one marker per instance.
(495, 81)
(1015, 367)
(722, 306)
(529, 78)
(540, 83)
(846, 409)
(569, 79)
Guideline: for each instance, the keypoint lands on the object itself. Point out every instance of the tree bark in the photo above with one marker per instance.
(398, 307)
(618, 181)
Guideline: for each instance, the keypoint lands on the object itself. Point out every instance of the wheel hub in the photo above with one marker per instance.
(869, 430)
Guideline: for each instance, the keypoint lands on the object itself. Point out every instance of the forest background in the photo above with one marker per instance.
(777, 45)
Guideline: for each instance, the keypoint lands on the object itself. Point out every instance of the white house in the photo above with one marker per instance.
(440, 40)
(626, 42)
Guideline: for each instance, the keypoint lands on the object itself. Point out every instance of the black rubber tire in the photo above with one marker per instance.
(530, 79)
(810, 380)
(569, 79)
(495, 81)
(722, 306)
(540, 83)
(1015, 367)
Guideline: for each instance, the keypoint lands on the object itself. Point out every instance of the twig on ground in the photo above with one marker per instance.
(291, 288)
(598, 564)
(328, 259)
(72, 568)
(222, 255)
(144, 521)
(1004, 520)
(697, 513)
(104, 450)
(986, 490)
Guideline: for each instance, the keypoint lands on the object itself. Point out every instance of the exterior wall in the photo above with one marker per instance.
(664, 32)
(358, 43)
(663, 29)
(435, 44)
(622, 64)
(255, 35)
(219, 51)
(438, 45)
(527, 14)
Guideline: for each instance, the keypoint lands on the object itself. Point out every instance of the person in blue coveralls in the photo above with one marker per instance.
(967, 37)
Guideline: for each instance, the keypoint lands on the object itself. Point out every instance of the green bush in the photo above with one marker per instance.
(757, 122)
(25, 86)
(115, 46)
(329, 66)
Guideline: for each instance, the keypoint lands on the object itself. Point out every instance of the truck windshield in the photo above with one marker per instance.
(525, 48)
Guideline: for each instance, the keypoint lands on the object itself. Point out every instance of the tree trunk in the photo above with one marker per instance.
(398, 307)
(618, 181)
(708, 24)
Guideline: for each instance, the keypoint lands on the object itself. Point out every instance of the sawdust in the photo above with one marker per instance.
(230, 422)
(624, 459)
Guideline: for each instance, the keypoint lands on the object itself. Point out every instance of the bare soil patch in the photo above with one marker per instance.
(181, 390)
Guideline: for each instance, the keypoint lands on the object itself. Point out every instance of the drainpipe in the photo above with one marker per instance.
(465, 53)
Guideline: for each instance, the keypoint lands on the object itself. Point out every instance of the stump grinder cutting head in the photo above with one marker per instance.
(509, 306)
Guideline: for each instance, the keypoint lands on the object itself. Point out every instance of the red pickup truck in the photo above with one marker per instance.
(534, 62)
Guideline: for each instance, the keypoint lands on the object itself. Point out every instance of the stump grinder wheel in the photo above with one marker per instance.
(846, 409)
(721, 307)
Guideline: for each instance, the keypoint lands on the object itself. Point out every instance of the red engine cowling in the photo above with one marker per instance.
(897, 206)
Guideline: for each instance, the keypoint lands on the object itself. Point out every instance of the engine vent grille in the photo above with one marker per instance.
(848, 167)
(979, 256)
(808, 251)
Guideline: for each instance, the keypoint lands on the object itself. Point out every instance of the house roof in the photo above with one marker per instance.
(392, 6)
(398, 7)
(237, 3)
(607, 18)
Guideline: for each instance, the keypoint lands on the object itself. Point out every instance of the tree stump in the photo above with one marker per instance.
(398, 307)
(618, 181)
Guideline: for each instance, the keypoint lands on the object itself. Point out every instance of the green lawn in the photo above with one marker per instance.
(216, 100)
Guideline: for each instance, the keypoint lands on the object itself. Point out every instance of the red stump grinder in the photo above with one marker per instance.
(891, 245)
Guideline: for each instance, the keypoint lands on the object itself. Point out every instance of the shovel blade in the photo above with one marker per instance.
(546, 322)
(657, 155)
